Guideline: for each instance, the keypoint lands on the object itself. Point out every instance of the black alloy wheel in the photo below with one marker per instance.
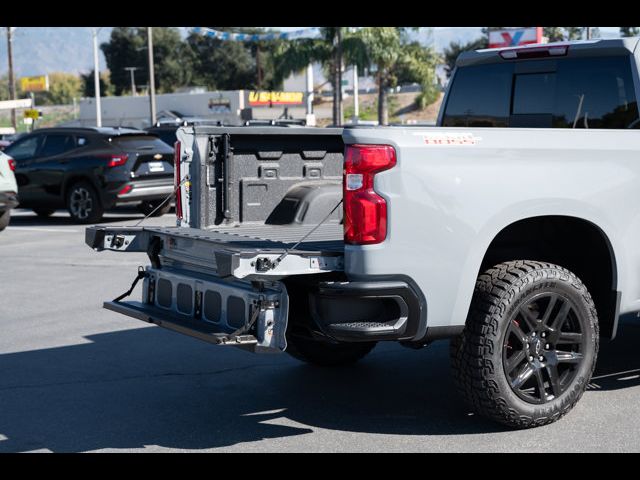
(543, 348)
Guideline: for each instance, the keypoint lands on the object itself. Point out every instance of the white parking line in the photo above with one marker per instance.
(38, 229)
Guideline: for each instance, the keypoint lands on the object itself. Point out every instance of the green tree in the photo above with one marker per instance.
(574, 33)
(554, 34)
(418, 65)
(127, 47)
(4, 87)
(454, 49)
(294, 56)
(629, 31)
(387, 48)
(219, 64)
(63, 88)
(88, 88)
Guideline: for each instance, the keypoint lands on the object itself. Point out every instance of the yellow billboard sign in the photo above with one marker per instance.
(35, 84)
(275, 98)
(32, 113)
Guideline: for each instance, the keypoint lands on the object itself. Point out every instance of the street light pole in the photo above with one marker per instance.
(12, 80)
(152, 83)
(133, 82)
(356, 107)
(96, 77)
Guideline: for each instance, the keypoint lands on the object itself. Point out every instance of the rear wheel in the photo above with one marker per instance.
(529, 346)
(327, 354)
(83, 203)
(147, 208)
(44, 212)
(4, 219)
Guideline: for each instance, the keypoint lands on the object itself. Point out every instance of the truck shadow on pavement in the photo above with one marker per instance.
(139, 387)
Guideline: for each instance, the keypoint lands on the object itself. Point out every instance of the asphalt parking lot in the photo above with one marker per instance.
(75, 377)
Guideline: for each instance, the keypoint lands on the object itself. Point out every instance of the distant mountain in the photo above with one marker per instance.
(41, 50)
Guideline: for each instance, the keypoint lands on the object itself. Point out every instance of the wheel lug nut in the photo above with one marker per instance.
(544, 334)
(541, 358)
(546, 347)
(530, 358)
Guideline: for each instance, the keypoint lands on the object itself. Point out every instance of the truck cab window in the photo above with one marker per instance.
(595, 93)
(480, 96)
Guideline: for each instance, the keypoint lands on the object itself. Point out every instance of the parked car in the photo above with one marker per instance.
(8, 189)
(516, 241)
(89, 170)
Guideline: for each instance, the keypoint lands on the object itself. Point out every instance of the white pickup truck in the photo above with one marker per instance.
(517, 242)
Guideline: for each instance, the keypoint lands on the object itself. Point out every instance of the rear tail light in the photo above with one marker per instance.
(117, 160)
(126, 189)
(177, 179)
(365, 212)
(12, 164)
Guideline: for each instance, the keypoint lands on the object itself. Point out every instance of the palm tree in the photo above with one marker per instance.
(336, 46)
(394, 56)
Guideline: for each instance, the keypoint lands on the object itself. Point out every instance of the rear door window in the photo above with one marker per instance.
(57, 144)
(24, 149)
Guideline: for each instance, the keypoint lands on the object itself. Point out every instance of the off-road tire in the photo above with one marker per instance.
(148, 207)
(4, 219)
(477, 354)
(44, 212)
(92, 213)
(327, 354)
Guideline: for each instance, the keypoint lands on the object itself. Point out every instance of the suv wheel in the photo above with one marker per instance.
(83, 203)
(147, 208)
(4, 219)
(529, 346)
(44, 212)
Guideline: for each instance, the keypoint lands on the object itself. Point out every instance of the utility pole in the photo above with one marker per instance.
(258, 67)
(12, 80)
(588, 33)
(340, 109)
(152, 82)
(133, 82)
(96, 76)
(310, 118)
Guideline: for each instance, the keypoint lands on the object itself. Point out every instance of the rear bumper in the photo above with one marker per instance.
(8, 200)
(368, 311)
(143, 191)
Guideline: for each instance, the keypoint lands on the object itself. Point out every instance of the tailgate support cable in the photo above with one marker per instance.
(168, 197)
(141, 274)
(277, 261)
